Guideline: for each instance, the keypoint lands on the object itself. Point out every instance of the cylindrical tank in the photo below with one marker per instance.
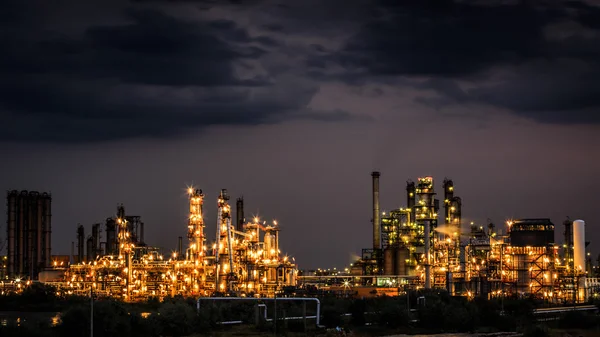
(20, 261)
(388, 261)
(39, 234)
(51, 276)
(12, 224)
(272, 275)
(270, 245)
(47, 228)
(291, 279)
(401, 267)
(579, 245)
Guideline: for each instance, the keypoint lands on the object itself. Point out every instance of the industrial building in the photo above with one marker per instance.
(28, 233)
(91, 247)
(413, 250)
(243, 260)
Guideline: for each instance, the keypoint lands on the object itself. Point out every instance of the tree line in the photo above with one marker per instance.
(420, 312)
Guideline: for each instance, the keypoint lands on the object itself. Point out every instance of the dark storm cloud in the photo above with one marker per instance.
(450, 40)
(153, 75)
(154, 49)
(444, 38)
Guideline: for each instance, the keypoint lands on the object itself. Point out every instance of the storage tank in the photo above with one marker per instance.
(402, 254)
(579, 245)
(388, 261)
(270, 245)
(51, 276)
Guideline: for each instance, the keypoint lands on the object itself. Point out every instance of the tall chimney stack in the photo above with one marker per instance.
(376, 213)
(239, 214)
(180, 248)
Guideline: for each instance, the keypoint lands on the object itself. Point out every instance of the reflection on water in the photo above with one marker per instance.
(55, 320)
(16, 317)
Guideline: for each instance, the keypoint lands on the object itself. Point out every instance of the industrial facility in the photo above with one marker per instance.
(243, 260)
(28, 231)
(413, 250)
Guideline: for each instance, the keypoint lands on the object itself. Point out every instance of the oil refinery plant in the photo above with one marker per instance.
(411, 250)
(244, 259)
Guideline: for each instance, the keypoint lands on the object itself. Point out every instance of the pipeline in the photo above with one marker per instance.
(317, 316)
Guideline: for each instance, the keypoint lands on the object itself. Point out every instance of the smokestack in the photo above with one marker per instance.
(72, 259)
(141, 232)
(239, 214)
(80, 243)
(95, 244)
(376, 213)
(179, 247)
(90, 249)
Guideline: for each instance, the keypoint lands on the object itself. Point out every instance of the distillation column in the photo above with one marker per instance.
(195, 236)
(452, 210)
(426, 216)
(126, 246)
(568, 244)
(196, 225)
(224, 233)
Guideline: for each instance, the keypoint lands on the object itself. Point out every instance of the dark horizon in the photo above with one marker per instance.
(292, 104)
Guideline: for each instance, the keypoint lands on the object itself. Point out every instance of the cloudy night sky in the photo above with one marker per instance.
(292, 104)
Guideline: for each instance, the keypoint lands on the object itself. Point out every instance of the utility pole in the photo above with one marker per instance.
(92, 310)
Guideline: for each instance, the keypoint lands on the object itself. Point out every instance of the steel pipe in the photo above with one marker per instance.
(302, 299)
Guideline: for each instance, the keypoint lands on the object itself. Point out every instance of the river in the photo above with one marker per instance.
(18, 317)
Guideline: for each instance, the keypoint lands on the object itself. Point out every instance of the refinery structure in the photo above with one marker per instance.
(424, 245)
(412, 249)
(243, 260)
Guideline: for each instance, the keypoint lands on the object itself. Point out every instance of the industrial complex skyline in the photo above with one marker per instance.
(291, 104)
